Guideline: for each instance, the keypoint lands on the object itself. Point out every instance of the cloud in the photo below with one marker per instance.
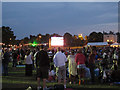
(33, 18)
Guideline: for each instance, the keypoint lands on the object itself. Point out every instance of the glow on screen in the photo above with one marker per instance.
(57, 41)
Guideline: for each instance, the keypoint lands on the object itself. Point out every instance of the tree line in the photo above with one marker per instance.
(8, 37)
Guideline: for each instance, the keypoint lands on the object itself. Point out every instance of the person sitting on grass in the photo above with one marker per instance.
(51, 74)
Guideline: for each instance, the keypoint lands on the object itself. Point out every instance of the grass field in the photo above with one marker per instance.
(18, 81)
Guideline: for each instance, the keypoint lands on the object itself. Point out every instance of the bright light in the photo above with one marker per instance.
(34, 44)
(79, 35)
(40, 36)
(57, 41)
(107, 40)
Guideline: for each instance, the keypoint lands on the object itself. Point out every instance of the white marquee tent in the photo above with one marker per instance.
(98, 44)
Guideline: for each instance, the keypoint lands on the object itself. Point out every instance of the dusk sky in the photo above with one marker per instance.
(32, 18)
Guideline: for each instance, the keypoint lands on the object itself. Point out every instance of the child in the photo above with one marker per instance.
(51, 74)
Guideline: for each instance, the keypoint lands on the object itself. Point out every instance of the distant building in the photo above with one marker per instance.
(110, 38)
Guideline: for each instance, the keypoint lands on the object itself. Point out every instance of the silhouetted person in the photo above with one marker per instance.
(5, 62)
(92, 64)
(43, 64)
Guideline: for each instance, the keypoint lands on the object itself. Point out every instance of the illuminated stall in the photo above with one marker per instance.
(115, 45)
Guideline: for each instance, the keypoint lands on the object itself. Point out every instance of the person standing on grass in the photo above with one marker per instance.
(80, 59)
(59, 62)
(42, 64)
(14, 58)
(72, 67)
(92, 64)
(28, 64)
(5, 62)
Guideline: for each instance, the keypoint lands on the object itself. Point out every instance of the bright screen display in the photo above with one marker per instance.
(57, 41)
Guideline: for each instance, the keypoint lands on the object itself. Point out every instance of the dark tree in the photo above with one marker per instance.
(26, 40)
(47, 36)
(100, 37)
(111, 32)
(55, 35)
(8, 35)
(68, 40)
(105, 32)
(32, 38)
(95, 37)
(118, 37)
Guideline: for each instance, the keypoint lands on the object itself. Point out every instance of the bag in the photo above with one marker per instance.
(58, 87)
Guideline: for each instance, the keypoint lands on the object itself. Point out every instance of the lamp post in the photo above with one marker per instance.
(40, 38)
(10, 41)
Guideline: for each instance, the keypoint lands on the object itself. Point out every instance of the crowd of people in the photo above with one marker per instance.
(67, 65)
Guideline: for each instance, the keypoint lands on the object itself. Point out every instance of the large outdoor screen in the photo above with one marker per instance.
(57, 41)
